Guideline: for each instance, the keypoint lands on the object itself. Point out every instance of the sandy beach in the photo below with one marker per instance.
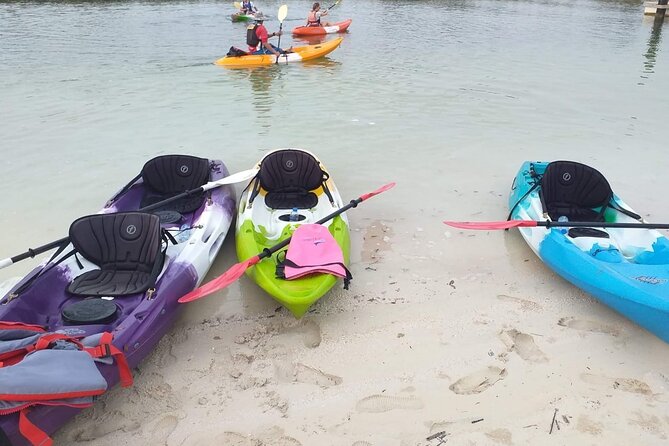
(440, 336)
(445, 337)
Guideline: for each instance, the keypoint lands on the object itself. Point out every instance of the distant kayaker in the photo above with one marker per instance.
(314, 17)
(257, 35)
(248, 8)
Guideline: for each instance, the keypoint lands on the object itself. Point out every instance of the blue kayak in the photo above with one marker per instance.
(626, 269)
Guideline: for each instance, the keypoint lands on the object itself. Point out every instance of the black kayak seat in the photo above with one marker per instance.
(290, 178)
(169, 175)
(126, 247)
(575, 191)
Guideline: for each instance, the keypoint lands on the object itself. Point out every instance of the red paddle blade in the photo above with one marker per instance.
(377, 191)
(221, 281)
(492, 225)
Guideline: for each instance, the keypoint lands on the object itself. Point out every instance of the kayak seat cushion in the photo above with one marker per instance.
(290, 178)
(575, 191)
(126, 247)
(169, 175)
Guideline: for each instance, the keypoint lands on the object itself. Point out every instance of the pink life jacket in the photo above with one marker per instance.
(313, 19)
(313, 250)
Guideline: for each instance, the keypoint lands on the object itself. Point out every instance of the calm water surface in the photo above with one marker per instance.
(446, 97)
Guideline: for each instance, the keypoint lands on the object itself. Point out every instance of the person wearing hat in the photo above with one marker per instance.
(257, 35)
(314, 17)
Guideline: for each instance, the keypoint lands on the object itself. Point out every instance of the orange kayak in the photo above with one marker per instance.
(322, 30)
(299, 54)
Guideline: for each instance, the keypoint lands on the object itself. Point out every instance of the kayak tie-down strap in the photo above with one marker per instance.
(290, 178)
(313, 250)
(53, 369)
(126, 246)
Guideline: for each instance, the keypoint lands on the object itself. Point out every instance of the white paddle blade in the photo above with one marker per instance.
(4, 263)
(231, 179)
(283, 13)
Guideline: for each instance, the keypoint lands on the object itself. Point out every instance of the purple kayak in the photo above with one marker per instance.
(121, 273)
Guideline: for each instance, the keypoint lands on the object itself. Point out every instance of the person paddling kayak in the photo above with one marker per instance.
(248, 8)
(314, 17)
(257, 35)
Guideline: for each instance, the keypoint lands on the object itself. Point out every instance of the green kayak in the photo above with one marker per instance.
(239, 17)
(292, 188)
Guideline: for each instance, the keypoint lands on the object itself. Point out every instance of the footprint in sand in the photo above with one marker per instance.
(309, 331)
(523, 344)
(525, 304)
(587, 426)
(649, 423)
(591, 326)
(502, 436)
(630, 385)
(164, 428)
(307, 375)
(109, 423)
(477, 382)
(226, 438)
(385, 403)
(281, 441)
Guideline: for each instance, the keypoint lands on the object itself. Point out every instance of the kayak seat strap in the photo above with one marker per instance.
(575, 191)
(32, 433)
(170, 175)
(126, 247)
(291, 178)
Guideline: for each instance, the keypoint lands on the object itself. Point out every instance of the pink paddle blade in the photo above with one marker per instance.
(492, 225)
(221, 281)
(377, 191)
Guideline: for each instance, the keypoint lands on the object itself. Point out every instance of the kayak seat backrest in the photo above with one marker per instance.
(126, 247)
(168, 175)
(575, 191)
(290, 178)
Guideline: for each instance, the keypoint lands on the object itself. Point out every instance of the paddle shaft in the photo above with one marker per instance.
(595, 224)
(269, 251)
(49, 246)
(278, 44)
(30, 253)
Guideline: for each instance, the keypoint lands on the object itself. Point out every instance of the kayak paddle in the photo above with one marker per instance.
(283, 13)
(335, 4)
(238, 269)
(495, 225)
(230, 179)
(237, 5)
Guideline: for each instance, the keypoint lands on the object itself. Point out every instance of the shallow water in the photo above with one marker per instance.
(445, 97)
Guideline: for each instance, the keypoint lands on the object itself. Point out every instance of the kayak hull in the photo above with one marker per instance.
(339, 27)
(259, 227)
(629, 271)
(143, 322)
(300, 54)
(242, 17)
